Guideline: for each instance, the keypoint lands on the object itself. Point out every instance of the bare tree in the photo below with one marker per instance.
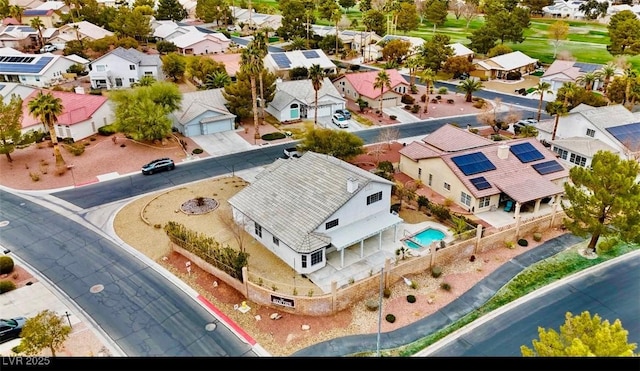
(237, 229)
(388, 135)
(497, 120)
(469, 11)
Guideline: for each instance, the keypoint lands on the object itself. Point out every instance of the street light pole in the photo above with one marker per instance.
(67, 314)
(70, 167)
(380, 312)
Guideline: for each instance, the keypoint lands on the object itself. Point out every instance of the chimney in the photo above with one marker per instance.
(503, 152)
(352, 185)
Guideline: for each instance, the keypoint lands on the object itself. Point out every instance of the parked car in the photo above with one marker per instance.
(344, 112)
(340, 121)
(158, 165)
(522, 123)
(48, 48)
(11, 328)
(291, 152)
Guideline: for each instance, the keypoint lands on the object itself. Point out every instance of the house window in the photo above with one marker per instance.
(100, 68)
(316, 257)
(578, 160)
(591, 133)
(465, 198)
(430, 179)
(148, 73)
(37, 78)
(374, 198)
(304, 261)
(276, 241)
(447, 186)
(331, 224)
(484, 201)
(118, 82)
(419, 172)
(132, 67)
(561, 152)
(132, 80)
(258, 230)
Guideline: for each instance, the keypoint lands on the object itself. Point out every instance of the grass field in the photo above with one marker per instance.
(586, 42)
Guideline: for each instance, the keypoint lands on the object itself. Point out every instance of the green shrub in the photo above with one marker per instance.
(107, 130)
(386, 293)
(443, 90)
(607, 245)
(436, 272)
(6, 264)
(537, 236)
(393, 117)
(445, 286)
(6, 286)
(197, 151)
(273, 136)
(407, 99)
(522, 242)
(75, 148)
(411, 298)
(390, 318)
(372, 304)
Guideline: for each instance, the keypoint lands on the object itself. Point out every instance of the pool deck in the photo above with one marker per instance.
(420, 227)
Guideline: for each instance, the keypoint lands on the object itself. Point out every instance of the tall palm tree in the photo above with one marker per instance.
(470, 86)
(36, 24)
(316, 75)
(587, 80)
(569, 90)
(16, 11)
(413, 63)
(427, 77)
(46, 108)
(252, 65)
(261, 43)
(336, 16)
(382, 80)
(542, 88)
(606, 73)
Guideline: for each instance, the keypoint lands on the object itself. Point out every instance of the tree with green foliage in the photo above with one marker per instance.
(96, 13)
(509, 25)
(408, 17)
(47, 108)
(316, 75)
(141, 112)
(174, 65)
(131, 23)
(5, 8)
(166, 47)
(435, 11)
(364, 5)
(427, 76)
(328, 44)
(216, 80)
(436, 51)
(542, 88)
(213, 11)
(252, 65)
(74, 47)
(347, 4)
(200, 66)
(482, 40)
(396, 50)
(170, 10)
(293, 12)
(587, 79)
(46, 330)
(10, 125)
(337, 143)
(582, 336)
(499, 49)
(594, 9)
(382, 80)
(557, 32)
(458, 65)
(624, 33)
(535, 6)
(373, 20)
(604, 199)
(36, 24)
(606, 73)
(468, 87)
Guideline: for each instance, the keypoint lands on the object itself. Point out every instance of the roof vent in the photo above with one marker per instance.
(352, 185)
(503, 152)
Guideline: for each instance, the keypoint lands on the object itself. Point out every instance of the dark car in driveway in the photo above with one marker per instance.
(10, 328)
(158, 165)
(344, 112)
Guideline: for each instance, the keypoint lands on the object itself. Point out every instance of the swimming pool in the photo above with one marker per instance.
(424, 238)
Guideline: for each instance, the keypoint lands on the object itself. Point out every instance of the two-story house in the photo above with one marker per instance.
(303, 208)
(361, 85)
(40, 70)
(122, 67)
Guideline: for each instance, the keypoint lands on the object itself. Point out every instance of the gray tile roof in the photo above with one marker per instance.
(302, 90)
(583, 146)
(197, 102)
(138, 57)
(605, 116)
(292, 197)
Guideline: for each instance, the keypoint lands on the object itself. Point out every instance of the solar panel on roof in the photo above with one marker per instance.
(310, 54)
(628, 134)
(473, 163)
(526, 152)
(547, 167)
(25, 66)
(480, 183)
(281, 60)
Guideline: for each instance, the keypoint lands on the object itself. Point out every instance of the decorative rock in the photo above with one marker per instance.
(305, 327)
(275, 316)
(164, 258)
(258, 318)
(430, 301)
(215, 283)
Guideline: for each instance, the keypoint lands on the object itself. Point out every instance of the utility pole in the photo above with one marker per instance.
(380, 311)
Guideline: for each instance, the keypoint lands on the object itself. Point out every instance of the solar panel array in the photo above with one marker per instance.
(310, 54)
(16, 59)
(627, 134)
(480, 183)
(526, 152)
(24, 66)
(281, 60)
(587, 67)
(473, 163)
(547, 167)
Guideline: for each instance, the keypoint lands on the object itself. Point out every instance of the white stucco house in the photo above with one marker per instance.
(295, 100)
(85, 31)
(560, 72)
(586, 130)
(122, 67)
(191, 40)
(564, 9)
(303, 208)
(40, 70)
(203, 112)
(282, 63)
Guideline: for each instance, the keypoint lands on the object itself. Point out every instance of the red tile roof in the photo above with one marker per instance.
(450, 138)
(76, 108)
(363, 82)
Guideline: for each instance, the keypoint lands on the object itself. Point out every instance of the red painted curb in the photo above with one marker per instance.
(228, 320)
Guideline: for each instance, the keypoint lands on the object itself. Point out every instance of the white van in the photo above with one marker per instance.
(340, 121)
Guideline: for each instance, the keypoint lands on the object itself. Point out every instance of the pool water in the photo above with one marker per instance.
(425, 238)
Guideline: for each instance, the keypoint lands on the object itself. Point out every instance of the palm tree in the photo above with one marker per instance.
(606, 73)
(46, 108)
(336, 17)
(16, 11)
(382, 80)
(217, 79)
(316, 75)
(469, 86)
(297, 43)
(587, 80)
(569, 90)
(413, 63)
(542, 88)
(630, 78)
(36, 23)
(144, 81)
(427, 77)
(252, 66)
(261, 43)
